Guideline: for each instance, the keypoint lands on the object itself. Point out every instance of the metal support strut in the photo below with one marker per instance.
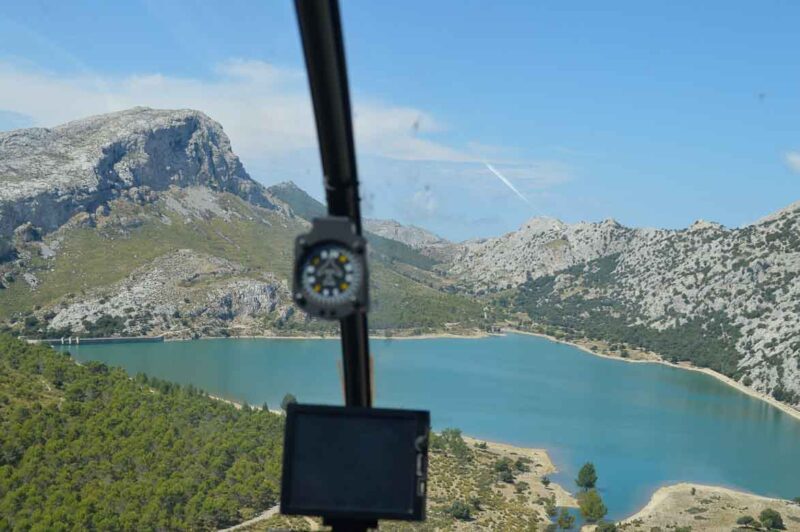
(321, 31)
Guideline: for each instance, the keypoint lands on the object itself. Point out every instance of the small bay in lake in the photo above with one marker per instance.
(643, 425)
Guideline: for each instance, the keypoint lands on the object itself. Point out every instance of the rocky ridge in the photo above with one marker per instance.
(540, 247)
(737, 287)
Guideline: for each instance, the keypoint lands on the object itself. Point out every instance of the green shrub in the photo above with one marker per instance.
(521, 464)
(550, 506)
(746, 520)
(502, 464)
(506, 476)
(565, 521)
(460, 510)
(475, 502)
(454, 444)
(771, 519)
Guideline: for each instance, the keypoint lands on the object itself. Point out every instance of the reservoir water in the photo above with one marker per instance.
(643, 425)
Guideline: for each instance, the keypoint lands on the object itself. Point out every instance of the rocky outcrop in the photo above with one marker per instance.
(540, 247)
(411, 235)
(47, 176)
(180, 294)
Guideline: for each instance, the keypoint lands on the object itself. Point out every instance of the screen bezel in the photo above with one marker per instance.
(422, 419)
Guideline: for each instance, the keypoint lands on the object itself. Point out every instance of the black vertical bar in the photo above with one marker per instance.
(321, 31)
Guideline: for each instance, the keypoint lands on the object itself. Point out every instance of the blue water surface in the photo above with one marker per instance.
(643, 425)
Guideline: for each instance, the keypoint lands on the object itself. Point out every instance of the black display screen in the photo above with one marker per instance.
(355, 462)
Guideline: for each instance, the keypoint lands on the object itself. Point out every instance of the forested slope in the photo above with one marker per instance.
(86, 447)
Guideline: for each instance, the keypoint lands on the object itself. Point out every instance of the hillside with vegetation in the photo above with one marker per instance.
(156, 228)
(88, 447)
(85, 447)
(473, 485)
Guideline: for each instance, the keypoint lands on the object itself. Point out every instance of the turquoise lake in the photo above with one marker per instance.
(643, 425)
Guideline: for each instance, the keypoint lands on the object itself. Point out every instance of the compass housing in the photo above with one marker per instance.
(330, 269)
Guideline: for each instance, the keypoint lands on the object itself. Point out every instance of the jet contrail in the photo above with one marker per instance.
(507, 183)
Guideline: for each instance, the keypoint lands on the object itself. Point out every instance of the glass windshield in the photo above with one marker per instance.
(582, 258)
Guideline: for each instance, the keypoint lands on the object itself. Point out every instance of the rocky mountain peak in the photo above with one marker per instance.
(49, 175)
(286, 186)
(702, 225)
(541, 224)
(611, 222)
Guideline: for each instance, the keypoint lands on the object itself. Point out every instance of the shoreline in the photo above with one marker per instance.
(661, 493)
(659, 497)
(662, 501)
(541, 456)
(786, 409)
(426, 336)
(720, 504)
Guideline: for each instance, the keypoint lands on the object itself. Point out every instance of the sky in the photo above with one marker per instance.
(470, 116)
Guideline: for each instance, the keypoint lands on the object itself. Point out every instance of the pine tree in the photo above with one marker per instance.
(587, 476)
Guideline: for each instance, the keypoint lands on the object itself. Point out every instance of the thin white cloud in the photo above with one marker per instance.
(507, 182)
(538, 174)
(793, 161)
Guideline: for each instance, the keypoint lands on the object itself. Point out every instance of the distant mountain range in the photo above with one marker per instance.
(728, 299)
(146, 222)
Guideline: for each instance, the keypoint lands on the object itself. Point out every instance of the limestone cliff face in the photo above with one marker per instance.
(47, 176)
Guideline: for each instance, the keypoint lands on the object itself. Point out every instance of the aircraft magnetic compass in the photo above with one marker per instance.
(330, 278)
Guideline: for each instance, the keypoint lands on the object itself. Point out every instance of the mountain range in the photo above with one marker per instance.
(723, 298)
(145, 222)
